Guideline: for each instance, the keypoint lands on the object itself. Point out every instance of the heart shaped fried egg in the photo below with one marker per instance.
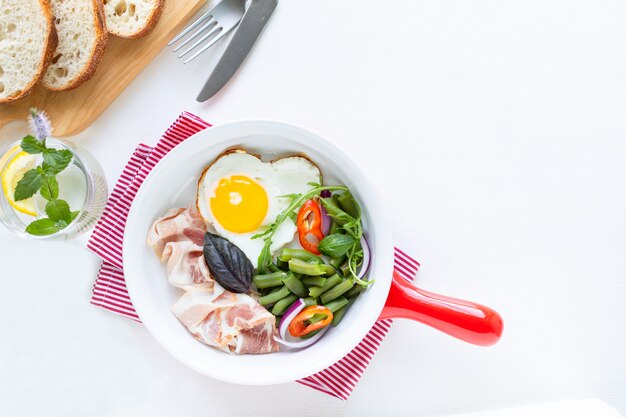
(241, 196)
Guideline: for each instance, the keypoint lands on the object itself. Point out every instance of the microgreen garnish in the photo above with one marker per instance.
(265, 258)
(351, 224)
(43, 179)
(346, 222)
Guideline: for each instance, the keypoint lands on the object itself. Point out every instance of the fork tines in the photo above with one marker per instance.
(209, 28)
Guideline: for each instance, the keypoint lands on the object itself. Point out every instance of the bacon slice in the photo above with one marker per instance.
(177, 239)
(234, 323)
(177, 225)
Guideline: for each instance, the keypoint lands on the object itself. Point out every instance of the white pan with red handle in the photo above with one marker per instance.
(172, 183)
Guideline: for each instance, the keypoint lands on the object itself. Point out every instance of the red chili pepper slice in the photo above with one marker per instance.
(310, 226)
(300, 326)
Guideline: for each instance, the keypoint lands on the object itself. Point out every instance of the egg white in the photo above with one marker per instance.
(291, 175)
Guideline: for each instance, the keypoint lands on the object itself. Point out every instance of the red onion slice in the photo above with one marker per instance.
(298, 343)
(366, 258)
(289, 315)
(325, 220)
(287, 339)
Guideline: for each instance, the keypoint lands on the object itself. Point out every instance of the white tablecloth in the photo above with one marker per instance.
(495, 132)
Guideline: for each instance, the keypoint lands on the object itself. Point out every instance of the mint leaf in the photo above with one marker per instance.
(49, 187)
(58, 210)
(42, 227)
(73, 215)
(32, 145)
(61, 224)
(55, 161)
(28, 185)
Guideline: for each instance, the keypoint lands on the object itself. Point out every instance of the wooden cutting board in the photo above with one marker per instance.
(73, 111)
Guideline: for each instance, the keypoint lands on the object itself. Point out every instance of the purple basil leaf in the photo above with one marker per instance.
(230, 267)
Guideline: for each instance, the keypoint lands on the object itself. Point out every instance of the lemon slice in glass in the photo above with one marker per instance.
(12, 173)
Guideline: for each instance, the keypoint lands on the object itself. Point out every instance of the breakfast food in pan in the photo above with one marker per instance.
(132, 18)
(229, 321)
(220, 198)
(28, 39)
(82, 40)
(268, 259)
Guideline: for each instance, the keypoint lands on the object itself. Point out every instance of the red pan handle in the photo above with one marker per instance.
(471, 322)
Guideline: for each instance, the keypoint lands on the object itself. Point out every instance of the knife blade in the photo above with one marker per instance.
(250, 27)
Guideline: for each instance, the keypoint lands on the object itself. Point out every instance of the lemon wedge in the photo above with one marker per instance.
(12, 173)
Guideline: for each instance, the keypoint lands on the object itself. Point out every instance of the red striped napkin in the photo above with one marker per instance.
(109, 291)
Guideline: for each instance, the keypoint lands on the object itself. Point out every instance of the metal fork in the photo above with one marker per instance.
(211, 27)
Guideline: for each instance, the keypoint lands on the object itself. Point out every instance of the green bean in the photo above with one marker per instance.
(337, 214)
(315, 292)
(344, 269)
(301, 267)
(269, 280)
(355, 291)
(282, 264)
(295, 285)
(317, 317)
(274, 296)
(273, 267)
(330, 283)
(349, 205)
(282, 305)
(314, 281)
(310, 301)
(288, 254)
(334, 228)
(337, 291)
(330, 271)
(337, 316)
(336, 304)
(336, 200)
(337, 262)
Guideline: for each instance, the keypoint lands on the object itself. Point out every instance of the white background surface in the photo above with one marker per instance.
(496, 132)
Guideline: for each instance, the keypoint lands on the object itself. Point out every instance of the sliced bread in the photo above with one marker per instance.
(27, 42)
(82, 35)
(132, 18)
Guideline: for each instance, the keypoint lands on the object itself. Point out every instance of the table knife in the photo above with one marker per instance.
(249, 29)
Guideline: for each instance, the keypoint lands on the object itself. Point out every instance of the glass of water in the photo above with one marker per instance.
(81, 184)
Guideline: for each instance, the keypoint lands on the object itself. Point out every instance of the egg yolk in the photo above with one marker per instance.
(239, 204)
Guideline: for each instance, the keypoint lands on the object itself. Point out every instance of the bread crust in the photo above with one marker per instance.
(96, 55)
(51, 42)
(150, 24)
